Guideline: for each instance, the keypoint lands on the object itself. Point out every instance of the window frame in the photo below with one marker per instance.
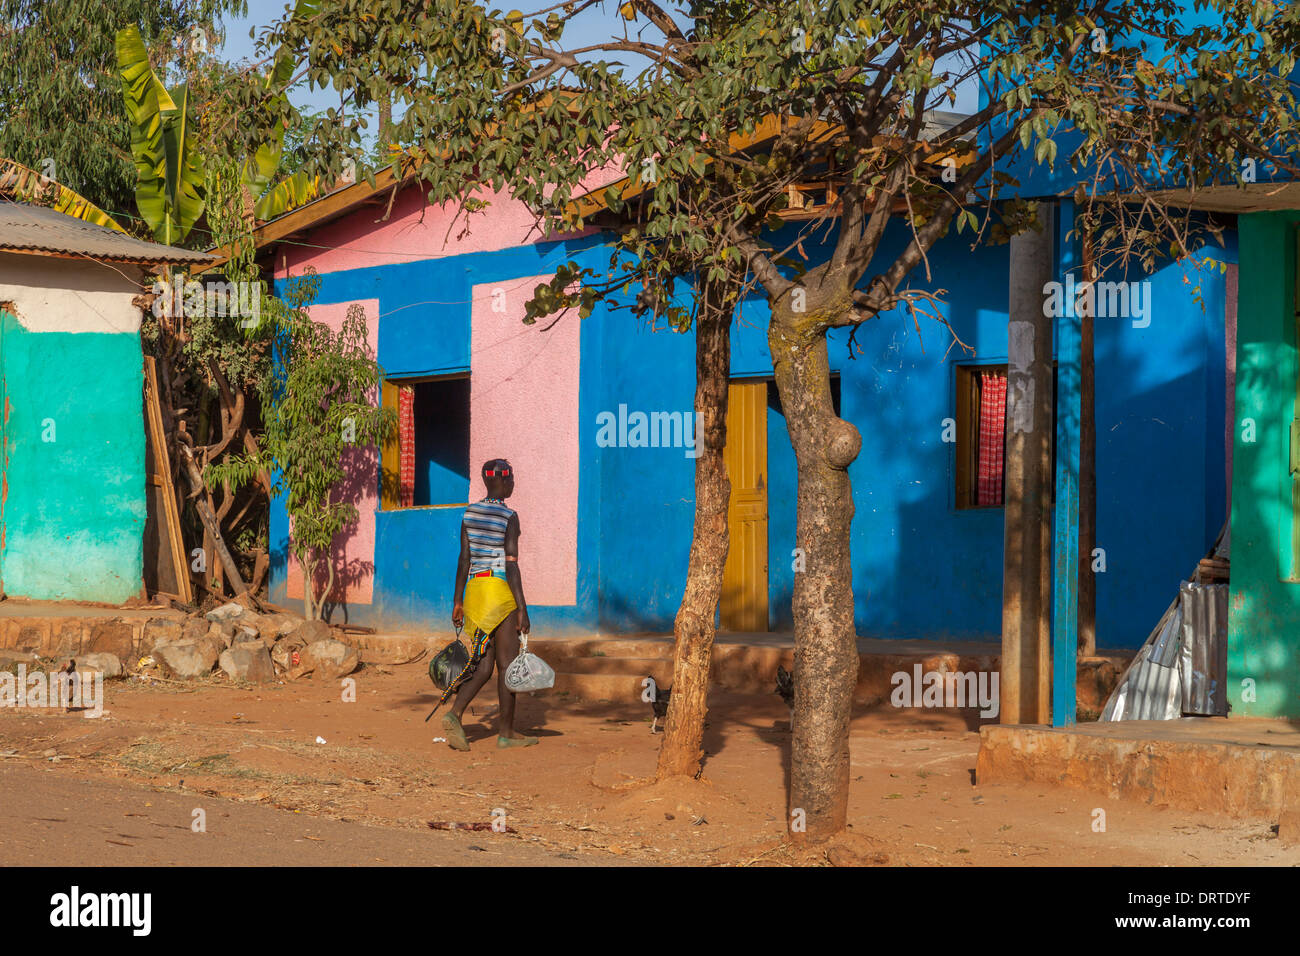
(390, 459)
(965, 465)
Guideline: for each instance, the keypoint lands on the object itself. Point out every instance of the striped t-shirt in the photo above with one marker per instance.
(485, 524)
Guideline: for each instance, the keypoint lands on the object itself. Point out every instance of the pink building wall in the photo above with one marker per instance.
(523, 380)
(416, 230)
(524, 407)
(354, 563)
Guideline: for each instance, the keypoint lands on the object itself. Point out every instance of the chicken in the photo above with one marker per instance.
(67, 686)
(658, 699)
(785, 687)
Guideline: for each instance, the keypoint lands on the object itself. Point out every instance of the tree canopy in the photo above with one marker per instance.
(61, 109)
(496, 99)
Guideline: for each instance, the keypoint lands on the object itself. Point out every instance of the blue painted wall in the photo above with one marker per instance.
(921, 568)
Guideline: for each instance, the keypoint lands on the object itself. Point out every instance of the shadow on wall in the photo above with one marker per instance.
(352, 574)
(347, 575)
(620, 616)
(924, 569)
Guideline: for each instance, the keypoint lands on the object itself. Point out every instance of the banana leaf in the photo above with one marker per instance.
(169, 174)
(21, 184)
(295, 191)
(262, 165)
(185, 167)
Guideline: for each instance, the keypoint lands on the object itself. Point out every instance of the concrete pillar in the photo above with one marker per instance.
(1026, 583)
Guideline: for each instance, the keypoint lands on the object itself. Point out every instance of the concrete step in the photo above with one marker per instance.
(603, 647)
(396, 648)
(1240, 767)
(624, 688)
(630, 666)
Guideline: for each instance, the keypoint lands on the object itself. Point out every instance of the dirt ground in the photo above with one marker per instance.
(250, 758)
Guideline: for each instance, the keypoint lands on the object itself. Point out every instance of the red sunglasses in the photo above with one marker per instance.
(498, 473)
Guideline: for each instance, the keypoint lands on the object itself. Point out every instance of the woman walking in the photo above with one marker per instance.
(489, 600)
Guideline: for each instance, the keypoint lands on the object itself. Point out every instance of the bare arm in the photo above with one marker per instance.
(513, 577)
(462, 572)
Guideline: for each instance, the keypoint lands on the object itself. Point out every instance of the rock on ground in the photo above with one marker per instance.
(249, 661)
(329, 660)
(247, 635)
(282, 653)
(222, 633)
(110, 665)
(186, 660)
(193, 629)
(227, 612)
(159, 631)
(312, 631)
(275, 626)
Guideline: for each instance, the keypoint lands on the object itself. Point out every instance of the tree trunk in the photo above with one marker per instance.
(682, 748)
(308, 572)
(261, 565)
(385, 121)
(826, 654)
(210, 521)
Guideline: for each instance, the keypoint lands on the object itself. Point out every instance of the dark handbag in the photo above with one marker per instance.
(448, 664)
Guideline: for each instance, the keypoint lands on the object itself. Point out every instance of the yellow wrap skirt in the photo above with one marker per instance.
(488, 602)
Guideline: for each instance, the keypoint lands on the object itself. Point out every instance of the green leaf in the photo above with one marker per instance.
(185, 167)
(145, 100)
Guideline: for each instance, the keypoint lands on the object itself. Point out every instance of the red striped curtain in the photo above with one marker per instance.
(993, 423)
(406, 444)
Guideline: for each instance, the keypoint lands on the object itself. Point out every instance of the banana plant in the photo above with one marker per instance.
(169, 170)
(21, 184)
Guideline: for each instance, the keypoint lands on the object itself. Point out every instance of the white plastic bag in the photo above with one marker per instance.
(528, 672)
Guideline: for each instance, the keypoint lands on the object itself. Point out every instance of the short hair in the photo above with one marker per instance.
(497, 468)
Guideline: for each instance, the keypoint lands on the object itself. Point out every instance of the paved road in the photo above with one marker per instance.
(49, 817)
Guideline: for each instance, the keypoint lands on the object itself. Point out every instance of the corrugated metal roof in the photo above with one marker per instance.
(42, 231)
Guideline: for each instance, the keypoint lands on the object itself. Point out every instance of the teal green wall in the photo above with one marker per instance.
(1264, 610)
(74, 509)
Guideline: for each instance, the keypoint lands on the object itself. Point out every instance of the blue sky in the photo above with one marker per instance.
(590, 26)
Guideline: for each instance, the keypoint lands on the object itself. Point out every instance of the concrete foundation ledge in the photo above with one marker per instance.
(1236, 767)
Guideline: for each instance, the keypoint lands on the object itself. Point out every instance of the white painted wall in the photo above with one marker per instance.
(52, 294)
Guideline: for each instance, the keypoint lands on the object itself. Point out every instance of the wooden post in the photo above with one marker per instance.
(1026, 672)
(1065, 617)
(170, 516)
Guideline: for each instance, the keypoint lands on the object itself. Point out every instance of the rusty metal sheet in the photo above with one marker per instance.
(1203, 657)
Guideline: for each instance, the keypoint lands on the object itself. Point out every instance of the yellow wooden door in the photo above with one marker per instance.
(744, 579)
